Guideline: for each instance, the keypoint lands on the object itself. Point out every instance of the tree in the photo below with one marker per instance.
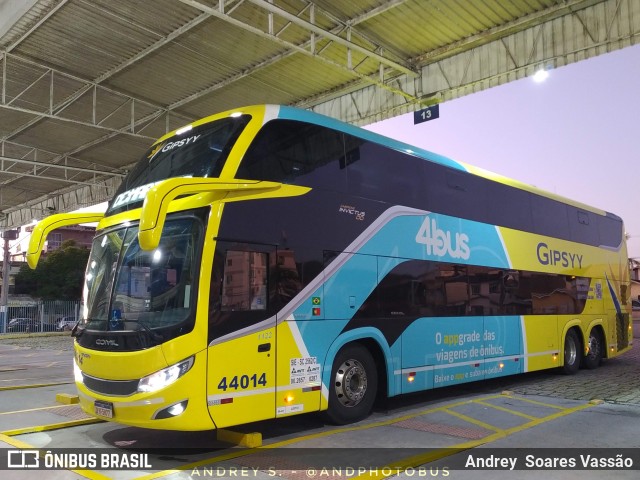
(59, 276)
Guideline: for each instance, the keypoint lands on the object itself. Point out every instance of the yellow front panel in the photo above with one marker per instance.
(120, 365)
(140, 408)
(241, 381)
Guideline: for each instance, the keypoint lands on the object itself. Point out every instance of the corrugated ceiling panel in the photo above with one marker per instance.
(282, 27)
(247, 91)
(104, 42)
(160, 17)
(28, 188)
(419, 26)
(210, 53)
(117, 152)
(24, 191)
(413, 27)
(281, 83)
(215, 65)
(100, 38)
(57, 136)
(350, 9)
(9, 120)
(339, 55)
(27, 21)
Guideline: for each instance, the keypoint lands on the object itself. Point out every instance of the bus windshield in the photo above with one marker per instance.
(197, 152)
(130, 289)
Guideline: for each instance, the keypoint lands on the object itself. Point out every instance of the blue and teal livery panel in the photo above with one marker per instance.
(434, 351)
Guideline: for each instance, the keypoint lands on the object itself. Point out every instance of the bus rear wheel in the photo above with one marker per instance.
(354, 385)
(572, 353)
(593, 357)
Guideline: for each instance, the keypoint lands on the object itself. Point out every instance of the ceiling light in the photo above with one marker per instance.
(541, 75)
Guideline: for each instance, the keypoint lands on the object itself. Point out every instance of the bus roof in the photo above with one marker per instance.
(271, 112)
(312, 117)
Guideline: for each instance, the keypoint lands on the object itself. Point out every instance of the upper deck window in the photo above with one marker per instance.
(199, 152)
(297, 153)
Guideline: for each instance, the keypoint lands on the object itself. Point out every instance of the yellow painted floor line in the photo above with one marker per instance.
(413, 461)
(474, 421)
(52, 426)
(14, 442)
(33, 409)
(312, 436)
(35, 385)
(536, 402)
(421, 459)
(507, 410)
(410, 462)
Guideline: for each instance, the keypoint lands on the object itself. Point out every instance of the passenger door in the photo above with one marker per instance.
(242, 348)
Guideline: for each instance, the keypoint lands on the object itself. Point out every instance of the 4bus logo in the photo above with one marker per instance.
(440, 242)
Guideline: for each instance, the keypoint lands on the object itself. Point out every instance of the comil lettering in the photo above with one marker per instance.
(440, 242)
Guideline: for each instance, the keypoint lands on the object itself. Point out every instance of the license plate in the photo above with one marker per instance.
(103, 409)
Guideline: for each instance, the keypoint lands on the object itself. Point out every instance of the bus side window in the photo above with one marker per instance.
(376, 171)
(244, 282)
(298, 153)
(552, 295)
(455, 292)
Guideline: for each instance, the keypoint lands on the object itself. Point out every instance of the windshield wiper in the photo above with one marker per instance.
(155, 336)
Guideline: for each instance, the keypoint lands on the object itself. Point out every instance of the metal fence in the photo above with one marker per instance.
(40, 316)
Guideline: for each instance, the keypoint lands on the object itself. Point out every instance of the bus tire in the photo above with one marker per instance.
(572, 353)
(354, 383)
(593, 358)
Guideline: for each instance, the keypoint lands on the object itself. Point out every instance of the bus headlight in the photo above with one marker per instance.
(165, 377)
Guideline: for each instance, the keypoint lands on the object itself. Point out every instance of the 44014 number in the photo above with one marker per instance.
(242, 382)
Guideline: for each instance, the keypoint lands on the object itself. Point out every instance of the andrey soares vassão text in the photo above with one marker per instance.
(534, 462)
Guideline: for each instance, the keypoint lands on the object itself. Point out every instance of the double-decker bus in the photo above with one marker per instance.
(268, 261)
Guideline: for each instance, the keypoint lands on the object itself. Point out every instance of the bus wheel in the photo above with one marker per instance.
(593, 358)
(572, 353)
(355, 382)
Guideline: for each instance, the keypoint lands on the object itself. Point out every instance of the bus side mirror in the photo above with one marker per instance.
(48, 224)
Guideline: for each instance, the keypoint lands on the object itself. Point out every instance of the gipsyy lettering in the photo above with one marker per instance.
(179, 143)
(550, 256)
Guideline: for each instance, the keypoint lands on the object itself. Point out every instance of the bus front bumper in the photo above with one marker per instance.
(180, 405)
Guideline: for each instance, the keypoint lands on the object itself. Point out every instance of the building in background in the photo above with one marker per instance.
(14, 268)
(81, 234)
(634, 266)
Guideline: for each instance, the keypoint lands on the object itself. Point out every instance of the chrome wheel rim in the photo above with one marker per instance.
(571, 351)
(350, 383)
(594, 347)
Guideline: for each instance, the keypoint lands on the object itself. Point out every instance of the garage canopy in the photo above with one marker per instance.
(87, 85)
